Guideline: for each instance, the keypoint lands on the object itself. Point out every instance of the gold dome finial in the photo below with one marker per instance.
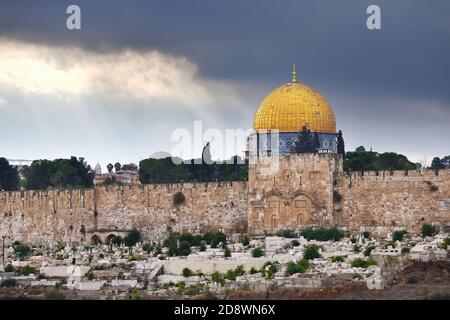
(294, 74)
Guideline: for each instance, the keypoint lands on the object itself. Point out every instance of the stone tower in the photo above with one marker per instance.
(292, 191)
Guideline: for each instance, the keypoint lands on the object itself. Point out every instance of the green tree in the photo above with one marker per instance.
(130, 167)
(446, 161)
(397, 235)
(72, 173)
(361, 160)
(59, 173)
(21, 250)
(360, 149)
(133, 237)
(305, 142)
(185, 248)
(39, 174)
(117, 166)
(110, 167)
(9, 177)
(436, 163)
(428, 230)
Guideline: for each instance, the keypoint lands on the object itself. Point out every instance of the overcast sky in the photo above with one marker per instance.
(117, 89)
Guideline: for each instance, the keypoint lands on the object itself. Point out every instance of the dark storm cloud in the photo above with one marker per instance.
(257, 40)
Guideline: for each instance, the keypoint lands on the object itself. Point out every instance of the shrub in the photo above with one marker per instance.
(185, 241)
(217, 278)
(405, 250)
(356, 248)
(361, 263)
(187, 272)
(227, 252)
(337, 259)
(27, 270)
(287, 233)
(253, 270)
(133, 237)
(353, 239)
(214, 239)
(269, 269)
(21, 250)
(214, 244)
(311, 252)
(8, 283)
(185, 248)
(178, 198)
(398, 235)
(230, 275)
(257, 252)
(322, 234)
(9, 268)
(297, 267)
(147, 247)
(368, 250)
(428, 230)
(295, 243)
(366, 234)
(445, 243)
(245, 241)
(116, 240)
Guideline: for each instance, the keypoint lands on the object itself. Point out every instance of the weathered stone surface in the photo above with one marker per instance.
(291, 192)
(77, 215)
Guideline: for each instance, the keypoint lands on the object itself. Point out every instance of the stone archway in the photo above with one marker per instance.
(95, 240)
(109, 238)
(300, 211)
(274, 222)
(274, 209)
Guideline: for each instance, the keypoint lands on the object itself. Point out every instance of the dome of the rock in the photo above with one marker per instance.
(291, 106)
(288, 109)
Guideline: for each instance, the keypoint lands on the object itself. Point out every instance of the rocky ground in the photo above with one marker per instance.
(418, 281)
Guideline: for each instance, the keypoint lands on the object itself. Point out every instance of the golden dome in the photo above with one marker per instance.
(290, 107)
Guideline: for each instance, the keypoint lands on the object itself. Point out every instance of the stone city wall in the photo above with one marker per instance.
(301, 190)
(77, 215)
(384, 201)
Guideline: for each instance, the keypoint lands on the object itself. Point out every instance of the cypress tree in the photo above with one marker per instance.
(340, 144)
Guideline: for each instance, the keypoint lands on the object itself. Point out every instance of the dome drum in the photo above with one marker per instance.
(260, 143)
